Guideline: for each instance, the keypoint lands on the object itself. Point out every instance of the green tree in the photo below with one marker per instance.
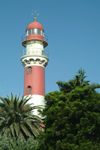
(72, 116)
(17, 118)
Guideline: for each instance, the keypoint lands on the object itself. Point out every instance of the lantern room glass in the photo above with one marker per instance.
(34, 31)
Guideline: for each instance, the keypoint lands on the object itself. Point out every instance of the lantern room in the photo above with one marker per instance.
(35, 32)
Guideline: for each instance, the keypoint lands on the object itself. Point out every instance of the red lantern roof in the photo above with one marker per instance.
(34, 25)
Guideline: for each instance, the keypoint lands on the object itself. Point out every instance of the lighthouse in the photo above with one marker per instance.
(34, 58)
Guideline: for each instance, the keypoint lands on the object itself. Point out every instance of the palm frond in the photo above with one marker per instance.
(16, 128)
(12, 130)
(15, 104)
(25, 130)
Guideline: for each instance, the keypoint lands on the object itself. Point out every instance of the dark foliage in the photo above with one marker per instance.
(72, 116)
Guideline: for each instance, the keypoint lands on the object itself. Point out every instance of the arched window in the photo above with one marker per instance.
(29, 89)
(29, 70)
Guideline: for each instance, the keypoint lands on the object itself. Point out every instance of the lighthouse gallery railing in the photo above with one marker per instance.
(35, 51)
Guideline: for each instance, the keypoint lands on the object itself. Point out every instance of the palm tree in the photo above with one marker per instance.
(17, 118)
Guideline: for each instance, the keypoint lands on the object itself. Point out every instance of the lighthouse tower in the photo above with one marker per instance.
(34, 58)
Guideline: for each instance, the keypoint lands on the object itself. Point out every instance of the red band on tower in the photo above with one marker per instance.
(35, 80)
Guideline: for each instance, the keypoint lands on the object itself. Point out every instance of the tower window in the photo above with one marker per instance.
(29, 89)
(29, 70)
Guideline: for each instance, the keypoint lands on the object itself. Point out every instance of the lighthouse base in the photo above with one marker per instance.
(36, 100)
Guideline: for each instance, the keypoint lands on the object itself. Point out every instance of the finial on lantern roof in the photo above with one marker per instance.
(35, 14)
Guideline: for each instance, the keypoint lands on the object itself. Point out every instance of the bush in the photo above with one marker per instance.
(11, 143)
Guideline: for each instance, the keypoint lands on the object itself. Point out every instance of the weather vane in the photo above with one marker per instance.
(34, 14)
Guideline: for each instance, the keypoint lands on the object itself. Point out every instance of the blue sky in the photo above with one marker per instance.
(73, 29)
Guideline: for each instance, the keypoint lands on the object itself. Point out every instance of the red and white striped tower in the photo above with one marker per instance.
(34, 58)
